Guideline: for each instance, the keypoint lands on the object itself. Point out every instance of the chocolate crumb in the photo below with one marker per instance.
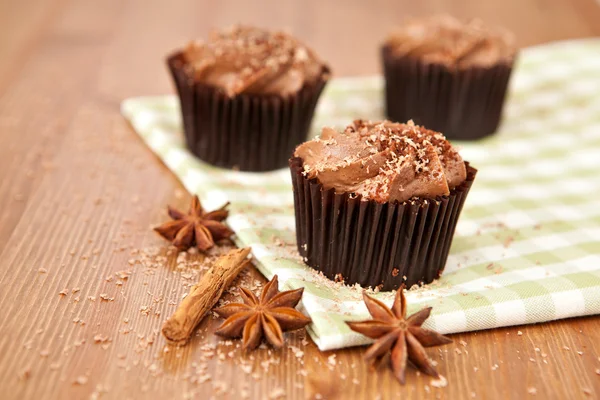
(440, 382)
(25, 373)
(81, 380)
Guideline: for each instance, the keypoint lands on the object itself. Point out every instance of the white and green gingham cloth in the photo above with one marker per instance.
(527, 245)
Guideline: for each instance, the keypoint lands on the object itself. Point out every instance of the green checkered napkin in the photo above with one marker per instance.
(527, 246)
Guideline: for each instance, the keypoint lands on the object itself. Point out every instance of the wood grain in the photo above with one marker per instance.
(79, 193)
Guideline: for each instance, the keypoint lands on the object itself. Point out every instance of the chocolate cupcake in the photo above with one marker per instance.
(447, 75)
(378, 203)
(247, 96)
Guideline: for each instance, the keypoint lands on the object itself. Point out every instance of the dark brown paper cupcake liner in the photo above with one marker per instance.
(370, 243)
(463, 104)
(247, 132)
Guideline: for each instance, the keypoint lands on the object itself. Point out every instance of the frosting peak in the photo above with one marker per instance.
(251, 60)
(383, 161)
(446, 40)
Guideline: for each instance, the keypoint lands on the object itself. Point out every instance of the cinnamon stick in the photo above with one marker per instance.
(204, 295)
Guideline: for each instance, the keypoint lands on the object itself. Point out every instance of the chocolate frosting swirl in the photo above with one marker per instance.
(383, 161)
(446, 40)
(251, 60)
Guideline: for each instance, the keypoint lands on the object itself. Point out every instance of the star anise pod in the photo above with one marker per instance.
(269, 315)
(196, 228)
(403, 336)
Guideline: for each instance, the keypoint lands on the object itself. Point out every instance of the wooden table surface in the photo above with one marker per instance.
(79, 193)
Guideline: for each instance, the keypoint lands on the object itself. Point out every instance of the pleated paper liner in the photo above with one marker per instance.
(463, 104)
(370, 243)
(246, 132)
